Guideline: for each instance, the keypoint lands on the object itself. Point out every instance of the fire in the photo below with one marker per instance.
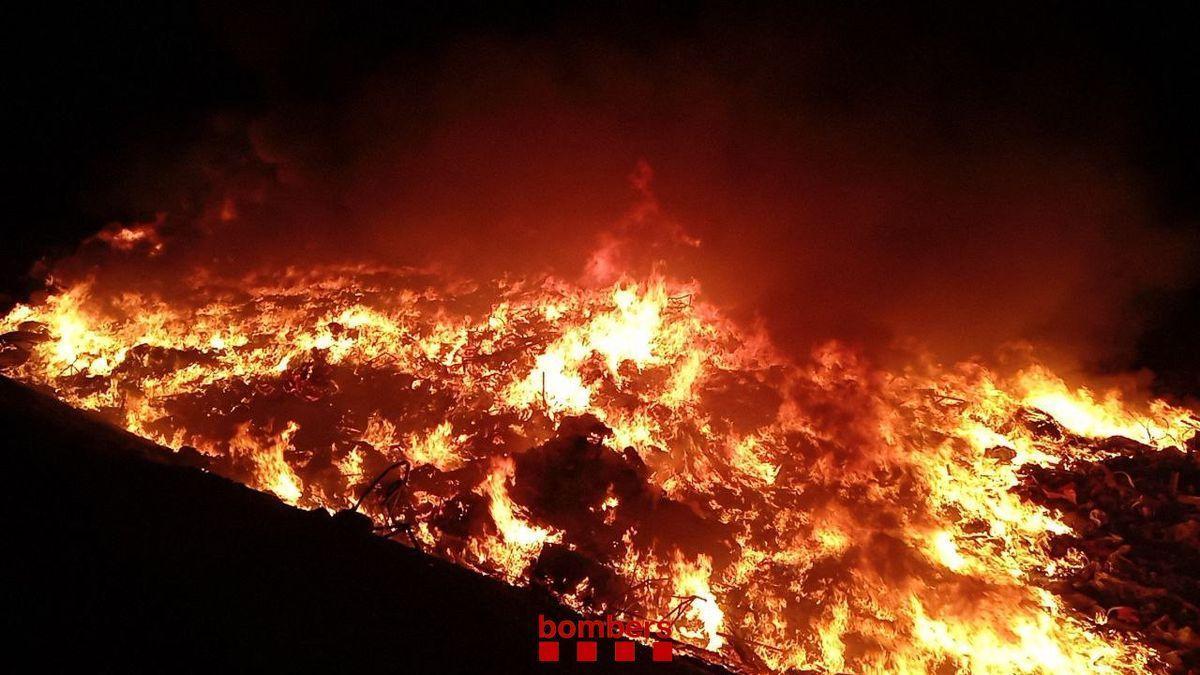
(519, 541)
(131, 237)
(1081, 413)
(819, 514)
(691, 582)
(271, 470)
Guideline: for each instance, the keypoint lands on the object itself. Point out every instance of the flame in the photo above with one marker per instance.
(1081, 413)
(130, 237)
(271, 469)
(519, 541)
(691, 582)
(435, 448)
(843, 517)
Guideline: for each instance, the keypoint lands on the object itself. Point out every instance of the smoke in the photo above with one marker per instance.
(831, 185)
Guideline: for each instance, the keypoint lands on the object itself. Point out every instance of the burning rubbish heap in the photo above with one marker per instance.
(637, 453)
(1134, 514)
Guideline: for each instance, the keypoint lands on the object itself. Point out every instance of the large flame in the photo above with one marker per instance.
(852, 518)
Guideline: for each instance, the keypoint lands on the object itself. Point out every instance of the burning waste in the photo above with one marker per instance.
(633, 450)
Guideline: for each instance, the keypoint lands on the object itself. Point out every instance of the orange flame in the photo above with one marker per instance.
(866, 524)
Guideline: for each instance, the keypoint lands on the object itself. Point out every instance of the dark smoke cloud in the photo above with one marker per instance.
(855, 176)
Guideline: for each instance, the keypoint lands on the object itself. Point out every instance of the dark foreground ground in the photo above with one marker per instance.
(122, 562)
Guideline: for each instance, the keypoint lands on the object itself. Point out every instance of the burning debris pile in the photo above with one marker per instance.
(638, 453)
(1134, 513)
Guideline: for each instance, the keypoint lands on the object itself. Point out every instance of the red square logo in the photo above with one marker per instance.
(547, 651)
(585, 651)
(662, 651)
(623, 651)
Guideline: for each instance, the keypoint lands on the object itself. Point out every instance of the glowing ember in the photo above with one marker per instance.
(816, 515)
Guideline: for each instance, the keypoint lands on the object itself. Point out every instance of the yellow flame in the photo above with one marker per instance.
(861, 510)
